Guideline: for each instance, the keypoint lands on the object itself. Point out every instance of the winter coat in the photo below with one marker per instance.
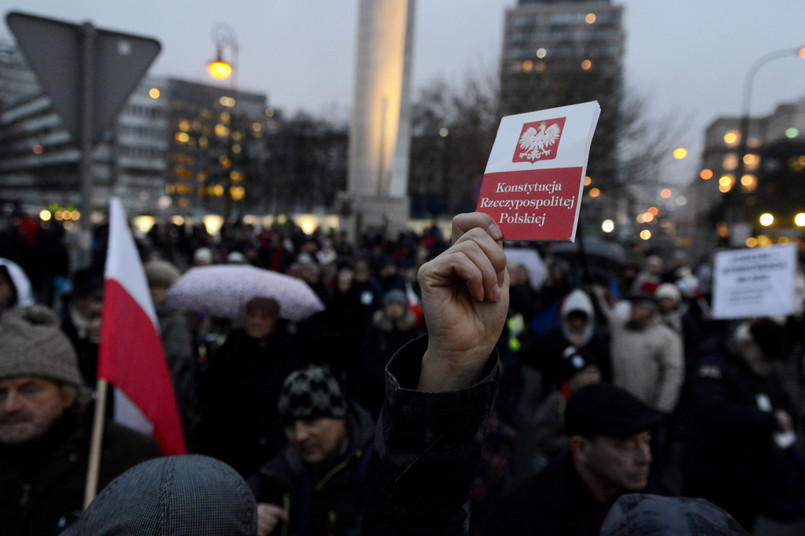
(174, 496)
(729, 431)
(648, 362)
(427, 448)
(239, 393)
(553, 502)
(324, 500)
(42, 481)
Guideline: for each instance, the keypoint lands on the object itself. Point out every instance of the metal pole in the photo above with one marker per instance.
(87, 89)
(740, 211)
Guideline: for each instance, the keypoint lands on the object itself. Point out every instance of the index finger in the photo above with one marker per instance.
(470, 220)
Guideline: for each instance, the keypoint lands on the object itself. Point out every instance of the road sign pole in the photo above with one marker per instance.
(87, 111)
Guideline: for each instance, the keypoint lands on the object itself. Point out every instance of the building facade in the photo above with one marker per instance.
(176, 146)
(727, 198)
(561, 52)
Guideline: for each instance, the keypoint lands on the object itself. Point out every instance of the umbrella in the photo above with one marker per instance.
(599, 255)
(224, 289)
(531, 260)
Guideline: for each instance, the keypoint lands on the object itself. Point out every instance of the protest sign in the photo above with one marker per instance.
(754, 282)
(534, 179)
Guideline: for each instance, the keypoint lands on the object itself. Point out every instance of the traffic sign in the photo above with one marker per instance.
(63, 56)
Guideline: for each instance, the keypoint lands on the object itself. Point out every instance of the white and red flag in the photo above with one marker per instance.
(130, 356)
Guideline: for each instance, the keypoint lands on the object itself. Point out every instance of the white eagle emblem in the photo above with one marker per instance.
(535, 142)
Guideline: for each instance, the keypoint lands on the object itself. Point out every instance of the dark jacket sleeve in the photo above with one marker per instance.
(427, 447)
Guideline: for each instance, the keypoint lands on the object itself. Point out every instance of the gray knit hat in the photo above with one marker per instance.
(31, 344)
(161, 273)
(309, 393)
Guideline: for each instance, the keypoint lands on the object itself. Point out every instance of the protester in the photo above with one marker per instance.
(740, 404)
(188, 495)
(609, 455)
(316, 486)
(578, 330)
(440, 390)
(45, 428)
(647, 357)
(240, 388)
(578, 371)
(393, 325)
(81, 320)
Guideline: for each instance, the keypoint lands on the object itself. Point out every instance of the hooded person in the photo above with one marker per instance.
(579, 331)
(46, 426)
(15, 287)
(316, 485)
(189, 495)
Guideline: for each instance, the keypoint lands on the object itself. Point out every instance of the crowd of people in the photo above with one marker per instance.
(604, 390)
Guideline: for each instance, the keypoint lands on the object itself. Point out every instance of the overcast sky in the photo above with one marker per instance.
(688, 57)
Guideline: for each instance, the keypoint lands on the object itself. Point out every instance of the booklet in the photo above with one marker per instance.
(534, 179)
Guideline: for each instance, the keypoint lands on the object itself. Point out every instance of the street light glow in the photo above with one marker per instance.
(766, 219)
(706, 174)
(665, 193)
(680, 153)
(799, 219)
(219, 69)
(645, 234)
(607, 226)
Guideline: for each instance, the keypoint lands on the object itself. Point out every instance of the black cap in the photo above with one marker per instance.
(603, 409)
(770, 337)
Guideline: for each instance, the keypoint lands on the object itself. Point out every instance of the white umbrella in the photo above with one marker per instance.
(224, 289)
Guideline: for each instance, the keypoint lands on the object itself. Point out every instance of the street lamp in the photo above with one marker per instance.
(223, 36)
(747, 99)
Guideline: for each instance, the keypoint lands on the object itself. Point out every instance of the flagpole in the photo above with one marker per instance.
(94, 466)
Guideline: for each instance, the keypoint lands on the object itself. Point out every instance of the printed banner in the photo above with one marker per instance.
(534, 178)
(754, 282)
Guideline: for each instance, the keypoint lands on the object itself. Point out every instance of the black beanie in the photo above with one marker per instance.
(770, 337)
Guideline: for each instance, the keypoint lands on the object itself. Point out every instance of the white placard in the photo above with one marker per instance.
(754, 282)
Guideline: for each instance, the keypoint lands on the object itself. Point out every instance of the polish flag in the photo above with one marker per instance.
(130, 356)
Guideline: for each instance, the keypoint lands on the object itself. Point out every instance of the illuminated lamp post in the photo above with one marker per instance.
(223, 36)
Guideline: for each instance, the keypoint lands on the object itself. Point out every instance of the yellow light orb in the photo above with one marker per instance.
(587, 180)
(731, 137)
(645, 234)
(680, 153)
(799, 219)
(595, 192)
(154, 93)
(766, 219)
(608, 226)
(586, 65)
(706, 174)
(219, 69)
(590, 18)
(45, 215)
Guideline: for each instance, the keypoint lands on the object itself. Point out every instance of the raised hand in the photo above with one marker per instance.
(465, 298)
